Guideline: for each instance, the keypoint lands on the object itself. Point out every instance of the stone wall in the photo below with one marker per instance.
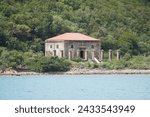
(72, 49)
(54, 48)
(90, 49)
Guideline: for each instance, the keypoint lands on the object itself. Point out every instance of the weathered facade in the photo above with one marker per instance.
(72, 45)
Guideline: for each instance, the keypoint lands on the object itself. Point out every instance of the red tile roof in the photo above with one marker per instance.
(72, 37)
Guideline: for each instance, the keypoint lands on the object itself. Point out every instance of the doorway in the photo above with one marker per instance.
(54, 52)
(62, 53)
(82, 54)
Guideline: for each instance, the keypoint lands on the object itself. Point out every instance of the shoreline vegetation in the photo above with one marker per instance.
(29, 63)
(77, 71)
(41, 65)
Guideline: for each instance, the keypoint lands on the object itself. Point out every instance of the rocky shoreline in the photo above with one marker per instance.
(77, 71)
(104, 71)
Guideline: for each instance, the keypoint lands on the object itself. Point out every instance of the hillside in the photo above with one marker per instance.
(120, 24)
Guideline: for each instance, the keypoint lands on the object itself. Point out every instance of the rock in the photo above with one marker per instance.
(8, 71)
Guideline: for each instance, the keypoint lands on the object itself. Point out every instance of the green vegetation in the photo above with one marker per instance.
(32, 61)
(120, 24)
(136, 62)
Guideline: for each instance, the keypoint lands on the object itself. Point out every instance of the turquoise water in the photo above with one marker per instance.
(75, 87)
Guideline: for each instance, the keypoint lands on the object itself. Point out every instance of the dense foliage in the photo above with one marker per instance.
(33, 61)
(25, 24)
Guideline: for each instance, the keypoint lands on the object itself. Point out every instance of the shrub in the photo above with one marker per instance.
(77, 59)
(113, 64)
(55, 64)
(139, 62)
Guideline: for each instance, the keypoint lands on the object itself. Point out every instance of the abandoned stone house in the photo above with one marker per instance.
(72, 45)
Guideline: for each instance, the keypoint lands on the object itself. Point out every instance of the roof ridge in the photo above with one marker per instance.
(72, 36)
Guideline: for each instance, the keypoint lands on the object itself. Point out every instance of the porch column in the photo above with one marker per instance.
(86, 55)
(69, 54)
(93, 55)
(118, 54)
(101, 55)
(72, 53)
(78, 53)
(110, 55)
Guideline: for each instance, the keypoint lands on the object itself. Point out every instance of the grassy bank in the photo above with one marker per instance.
(134, 62)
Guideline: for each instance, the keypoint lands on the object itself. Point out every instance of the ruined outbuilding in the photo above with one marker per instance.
(72, 45)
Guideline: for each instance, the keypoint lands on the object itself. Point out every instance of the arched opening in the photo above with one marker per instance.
(82, 54)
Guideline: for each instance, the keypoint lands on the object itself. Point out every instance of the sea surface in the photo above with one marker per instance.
(75, 87)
